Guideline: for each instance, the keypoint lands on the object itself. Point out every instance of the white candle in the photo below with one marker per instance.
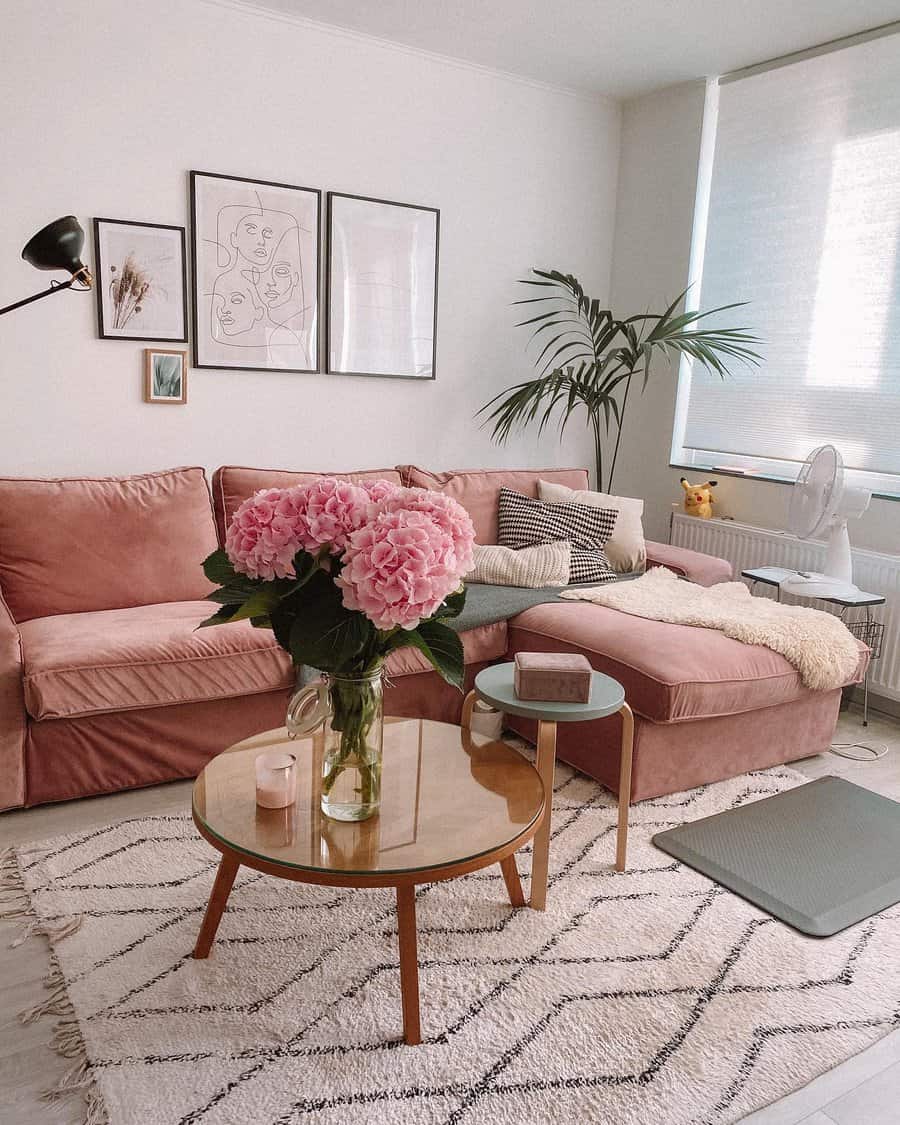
(276, 780)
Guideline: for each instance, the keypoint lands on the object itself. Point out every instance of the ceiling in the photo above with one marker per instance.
(619, 48)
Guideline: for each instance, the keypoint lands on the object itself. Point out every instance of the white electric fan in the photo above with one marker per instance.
(821, 502)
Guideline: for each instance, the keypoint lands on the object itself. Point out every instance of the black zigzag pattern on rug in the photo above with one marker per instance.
(666, 967)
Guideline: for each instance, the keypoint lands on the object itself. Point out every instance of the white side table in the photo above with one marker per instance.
(867, 629)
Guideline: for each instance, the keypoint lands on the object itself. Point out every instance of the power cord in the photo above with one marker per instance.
(874, 751)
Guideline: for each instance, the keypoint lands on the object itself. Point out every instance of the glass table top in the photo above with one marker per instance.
(447, 796)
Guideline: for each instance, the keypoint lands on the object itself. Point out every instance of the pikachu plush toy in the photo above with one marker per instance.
(698, 498)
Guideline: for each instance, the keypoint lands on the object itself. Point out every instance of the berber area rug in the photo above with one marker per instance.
(650, 997)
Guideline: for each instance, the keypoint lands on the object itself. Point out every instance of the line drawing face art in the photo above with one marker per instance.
(256, 274)
(282, 283)
(236, 310)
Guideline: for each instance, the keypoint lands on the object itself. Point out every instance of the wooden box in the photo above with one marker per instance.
(555, 677)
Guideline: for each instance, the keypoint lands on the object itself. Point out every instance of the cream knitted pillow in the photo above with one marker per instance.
(547, 564)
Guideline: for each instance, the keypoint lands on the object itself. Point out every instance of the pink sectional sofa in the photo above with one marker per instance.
(105, 684)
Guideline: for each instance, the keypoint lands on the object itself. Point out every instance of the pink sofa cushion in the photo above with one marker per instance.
(478, 490)
(83, 544)
(671, 673)
(149, 656)
(152, 656)
(233, 484)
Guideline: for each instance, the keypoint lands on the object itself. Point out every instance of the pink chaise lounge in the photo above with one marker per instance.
(106, 685)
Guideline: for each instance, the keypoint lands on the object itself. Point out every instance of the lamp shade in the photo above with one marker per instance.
(57, 247)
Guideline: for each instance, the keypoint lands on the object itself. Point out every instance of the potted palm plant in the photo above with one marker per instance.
(588, 358)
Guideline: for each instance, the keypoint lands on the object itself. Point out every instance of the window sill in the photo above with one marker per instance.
(768, 478)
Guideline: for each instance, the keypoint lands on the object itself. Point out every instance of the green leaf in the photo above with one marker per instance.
(221, 617)
(305, 566)
(442, 647)
(218, 569)
(230, 595)
(452, 606)
(324, 634)
(260, 603)
(282, 621)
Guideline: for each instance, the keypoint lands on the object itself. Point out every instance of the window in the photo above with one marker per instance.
(798, 213)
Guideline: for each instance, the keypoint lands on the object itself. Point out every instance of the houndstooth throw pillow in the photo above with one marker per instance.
(524, 522)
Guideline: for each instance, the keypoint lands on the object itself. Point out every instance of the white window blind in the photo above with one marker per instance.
(802, 221)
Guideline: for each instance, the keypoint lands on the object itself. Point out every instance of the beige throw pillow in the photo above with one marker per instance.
(544, 565)
(626, 549)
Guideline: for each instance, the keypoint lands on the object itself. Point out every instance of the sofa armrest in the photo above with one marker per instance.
(13, 720)
(705, 570)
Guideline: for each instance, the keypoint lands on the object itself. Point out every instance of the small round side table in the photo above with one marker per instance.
(494, 687)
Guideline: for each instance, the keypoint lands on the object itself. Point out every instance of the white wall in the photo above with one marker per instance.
(659, 152)
(106, 106)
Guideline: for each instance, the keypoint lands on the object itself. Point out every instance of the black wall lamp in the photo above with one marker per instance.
(57, 247)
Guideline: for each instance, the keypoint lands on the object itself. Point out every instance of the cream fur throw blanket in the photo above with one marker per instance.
(818, 644)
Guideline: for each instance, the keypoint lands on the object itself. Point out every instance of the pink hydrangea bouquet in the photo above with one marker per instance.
(344, 574)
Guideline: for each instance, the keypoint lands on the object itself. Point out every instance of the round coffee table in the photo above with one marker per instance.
(452, 802)
(495, 687)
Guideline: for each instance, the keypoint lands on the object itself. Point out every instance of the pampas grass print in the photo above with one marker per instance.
(128, 290)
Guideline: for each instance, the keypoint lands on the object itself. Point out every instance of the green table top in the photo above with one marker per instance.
(495, 686)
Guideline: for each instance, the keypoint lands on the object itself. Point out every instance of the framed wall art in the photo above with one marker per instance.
(255, 255)
(141, 283)
(382, 287)
(165, 376)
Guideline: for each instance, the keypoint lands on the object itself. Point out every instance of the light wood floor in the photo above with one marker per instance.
(863, 1091)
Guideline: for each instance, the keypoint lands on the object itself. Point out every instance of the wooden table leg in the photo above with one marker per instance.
(624, 784)
(409, 963)
(228, 868)
(512, 880)
(467, 708)
(540, 856)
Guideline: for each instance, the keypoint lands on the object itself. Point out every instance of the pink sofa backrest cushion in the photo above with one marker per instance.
(76, 545)
(232, 484)
(478, 490)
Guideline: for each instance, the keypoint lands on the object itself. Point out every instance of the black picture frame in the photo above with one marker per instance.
(107, 331)
(313, 350)
(329, 271)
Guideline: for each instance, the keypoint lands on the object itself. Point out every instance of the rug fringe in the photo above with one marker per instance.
(95, 1110)
(14, 900)
(55, 931)
(75, 1079)
(56, 1004)
(15, 903)
(79, 1081)
(18, 907)
(66, 1038)
(25, 933)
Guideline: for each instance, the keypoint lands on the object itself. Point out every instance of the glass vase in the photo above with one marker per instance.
(351, 710)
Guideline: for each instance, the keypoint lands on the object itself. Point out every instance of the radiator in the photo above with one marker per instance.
(748, 547)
